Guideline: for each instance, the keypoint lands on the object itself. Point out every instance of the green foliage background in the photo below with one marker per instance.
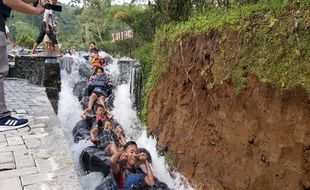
(278, 25)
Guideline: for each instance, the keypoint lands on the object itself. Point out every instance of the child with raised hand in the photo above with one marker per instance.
(125, 173)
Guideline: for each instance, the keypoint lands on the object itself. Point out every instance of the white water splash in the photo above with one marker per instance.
(124, 113)
(113, 71)
(127, 117)
(69, 110)
(91, 180)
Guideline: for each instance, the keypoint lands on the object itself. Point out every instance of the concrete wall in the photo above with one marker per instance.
(41, 71)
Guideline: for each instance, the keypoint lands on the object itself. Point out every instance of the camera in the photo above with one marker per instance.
(49, 6)
(53, 7)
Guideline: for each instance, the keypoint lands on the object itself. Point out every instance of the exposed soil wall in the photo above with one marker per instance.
(219, 139)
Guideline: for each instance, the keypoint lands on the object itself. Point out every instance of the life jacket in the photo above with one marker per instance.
(96, 63)
(99, 84)
(131, 179)
(5, 12)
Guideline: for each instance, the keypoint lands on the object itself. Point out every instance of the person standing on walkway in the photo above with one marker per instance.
(7, 122)
(47, 45)
(48, 28)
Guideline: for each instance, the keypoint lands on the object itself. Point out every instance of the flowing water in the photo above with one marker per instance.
(69, 110)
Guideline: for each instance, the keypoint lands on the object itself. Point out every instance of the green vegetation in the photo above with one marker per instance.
(24, 28)
(269, 39)
(269, 45)
(144, 55)
(25, 34)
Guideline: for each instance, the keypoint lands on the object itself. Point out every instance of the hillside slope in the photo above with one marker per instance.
(232, 109)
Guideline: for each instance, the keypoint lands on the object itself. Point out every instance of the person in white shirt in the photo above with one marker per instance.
(47, 27)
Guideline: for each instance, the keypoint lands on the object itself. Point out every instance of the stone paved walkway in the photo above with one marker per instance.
(35, 157)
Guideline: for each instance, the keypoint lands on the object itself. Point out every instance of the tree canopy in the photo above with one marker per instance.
(95, 20)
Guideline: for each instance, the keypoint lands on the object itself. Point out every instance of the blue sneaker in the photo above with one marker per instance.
(10, 123)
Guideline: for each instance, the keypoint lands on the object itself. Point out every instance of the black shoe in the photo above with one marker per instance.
(10, 123)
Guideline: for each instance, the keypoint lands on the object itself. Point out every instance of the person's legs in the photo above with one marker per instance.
(46, 48)
(4, 68)
(50, 48)
(102, 101)
(91, 102)
(47, 45)
(7, 122)
(40, 37)
(52, 36)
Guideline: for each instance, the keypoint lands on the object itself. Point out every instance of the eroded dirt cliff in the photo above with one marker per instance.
(217, 138)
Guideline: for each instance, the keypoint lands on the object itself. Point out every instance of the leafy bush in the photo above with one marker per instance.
(25, 41)
(121, 48)
(24, 33)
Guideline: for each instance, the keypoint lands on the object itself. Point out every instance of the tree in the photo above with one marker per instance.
(96, 15)
(24, 33)
(67, 26)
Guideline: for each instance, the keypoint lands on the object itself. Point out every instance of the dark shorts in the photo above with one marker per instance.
(100, 93)
(51, 34)
(103, 145)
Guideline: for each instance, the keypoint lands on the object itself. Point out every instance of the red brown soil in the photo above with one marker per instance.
(257, 139)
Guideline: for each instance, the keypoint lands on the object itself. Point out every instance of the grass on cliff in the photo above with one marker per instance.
(274, 42)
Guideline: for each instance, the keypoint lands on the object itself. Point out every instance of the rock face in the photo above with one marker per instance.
(41, 71)
(220, 139)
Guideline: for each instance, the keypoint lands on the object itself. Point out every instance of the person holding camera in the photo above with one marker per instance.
(48, 28)
(7, 122)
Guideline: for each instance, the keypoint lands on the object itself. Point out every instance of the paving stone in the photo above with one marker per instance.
(35, 133)
(46, 165)
(17, 140)
(2, 138)
(17, 172)
(25, 107)
(7, 166)
(15, 106)
(24, 159)
(6, 157)
(42, 118)
(21, 111)
(24, 129)
(38, 125)
(3, 144)
(11, 183)
(34, 162)
(32, 143)
(37, 178)
(20, 115)
(13, 148)
(37, 187)
(10, 133)
(42, 154)
(30, 118)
